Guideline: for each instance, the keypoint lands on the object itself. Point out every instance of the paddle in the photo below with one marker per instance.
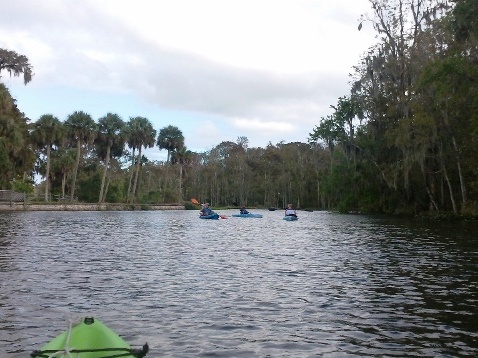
(194, 201)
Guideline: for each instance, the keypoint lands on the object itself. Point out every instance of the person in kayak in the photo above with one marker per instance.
(243, 210)
(206, 210)
(290, 211)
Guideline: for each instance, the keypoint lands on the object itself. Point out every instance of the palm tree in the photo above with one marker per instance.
(140, 133)
(183, 157)
(47, 131)
(82, 129)
(110, 132)
(170, 138)
(63, 166)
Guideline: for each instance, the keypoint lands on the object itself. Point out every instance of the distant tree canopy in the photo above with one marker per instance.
(403, 140)
(16, 154)
(408, 129)
(15, 65)
(170, 138)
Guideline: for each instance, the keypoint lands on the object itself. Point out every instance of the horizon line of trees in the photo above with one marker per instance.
(403, 140)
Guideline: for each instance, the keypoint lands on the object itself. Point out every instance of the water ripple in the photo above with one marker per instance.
(327, 285)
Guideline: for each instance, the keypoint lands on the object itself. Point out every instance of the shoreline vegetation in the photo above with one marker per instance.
(11, 201)
(87, 207)
(75, 206)
(400, 141)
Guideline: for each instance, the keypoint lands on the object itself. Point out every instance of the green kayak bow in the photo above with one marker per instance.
(89, 338)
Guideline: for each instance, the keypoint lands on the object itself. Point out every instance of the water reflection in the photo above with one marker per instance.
(328, 285)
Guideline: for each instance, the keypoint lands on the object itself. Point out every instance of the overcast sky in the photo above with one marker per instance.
(264, 69)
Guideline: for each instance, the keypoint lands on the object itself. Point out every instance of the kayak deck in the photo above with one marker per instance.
(213, 216)
(89, 338)
(247, 215)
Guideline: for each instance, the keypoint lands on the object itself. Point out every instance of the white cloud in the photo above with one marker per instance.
(253, 125)
(222, 69)
(283, 36)
(208, 132)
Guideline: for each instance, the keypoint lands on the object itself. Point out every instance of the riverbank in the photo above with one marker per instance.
(86, 207)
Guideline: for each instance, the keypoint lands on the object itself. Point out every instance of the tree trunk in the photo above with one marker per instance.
(128, 194)
(180, 198)
(318, 192)
(135, 185)
(458, 159)
(450, 189)
(75, 172)
(460, 174)
(106, 188)
(63, 185)
(432, 201)
(47, 178)
(107, 161)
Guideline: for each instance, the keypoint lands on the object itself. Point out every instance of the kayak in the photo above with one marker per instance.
(213, 216)
(89, 338)
(291, 218)
(247, 215)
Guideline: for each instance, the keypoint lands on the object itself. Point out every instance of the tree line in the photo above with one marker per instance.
(403, 140)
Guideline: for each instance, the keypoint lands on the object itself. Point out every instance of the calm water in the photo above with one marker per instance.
(327, 285)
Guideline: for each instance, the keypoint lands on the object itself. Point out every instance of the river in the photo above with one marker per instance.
(327, 285)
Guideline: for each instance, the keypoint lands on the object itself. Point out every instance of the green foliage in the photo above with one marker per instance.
(23, 186)
(15, 64)
(152, 197)
(6, 165)
(111, 134)
(337, 186)
(115, 194)
(88, 188)
(170, 138)
(170, 196)
(369, 200)
(190, 206)
(465, 20)
(16, 155)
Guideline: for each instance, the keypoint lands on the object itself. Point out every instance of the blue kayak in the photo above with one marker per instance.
(213, 216)
(291, 218)
(247, 215)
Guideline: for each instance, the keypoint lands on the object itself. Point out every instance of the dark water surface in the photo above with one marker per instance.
(327, 285)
